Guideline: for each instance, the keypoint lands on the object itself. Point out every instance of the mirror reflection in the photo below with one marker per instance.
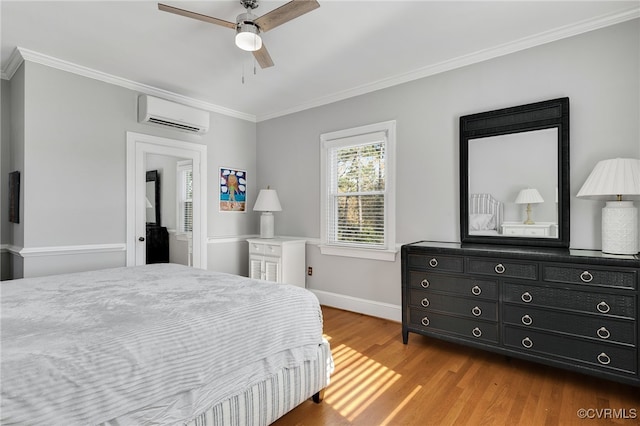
(151, 202)
(152, 199)
(513, 184)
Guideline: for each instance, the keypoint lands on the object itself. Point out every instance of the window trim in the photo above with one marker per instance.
(349, 137)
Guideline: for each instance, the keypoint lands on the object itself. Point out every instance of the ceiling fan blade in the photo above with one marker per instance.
(285, 13)
(263, 57)
(198, 16)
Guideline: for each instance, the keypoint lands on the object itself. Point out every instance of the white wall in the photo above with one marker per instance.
(74, 178)
(598, 71)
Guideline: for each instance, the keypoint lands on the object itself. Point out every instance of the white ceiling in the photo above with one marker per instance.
(341, 49)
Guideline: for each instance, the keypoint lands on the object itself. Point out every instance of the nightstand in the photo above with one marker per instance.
(281, 260)
(538, 229)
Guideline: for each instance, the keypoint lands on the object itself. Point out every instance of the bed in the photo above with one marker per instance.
(485, 215)
(158, 344)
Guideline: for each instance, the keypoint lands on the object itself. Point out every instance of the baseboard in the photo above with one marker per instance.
(361, 306)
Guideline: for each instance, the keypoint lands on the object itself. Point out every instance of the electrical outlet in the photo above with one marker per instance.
(309, 271)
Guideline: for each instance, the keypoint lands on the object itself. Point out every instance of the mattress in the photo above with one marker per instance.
(152, 344)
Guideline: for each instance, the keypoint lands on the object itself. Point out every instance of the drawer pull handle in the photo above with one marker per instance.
(603, 307)
(527, 320)
(425, 302)
(586, 277)
(526, 297)
(604, 359)
(424, 283)
(476, 290)
(476, 332)
(476, 311)
(527, 343)
(603, 333)
(425, 321)
(433, 262)
(499, 268)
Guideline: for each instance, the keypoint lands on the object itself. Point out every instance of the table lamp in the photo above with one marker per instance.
(267, 202)
(616, 177)
(529, 196)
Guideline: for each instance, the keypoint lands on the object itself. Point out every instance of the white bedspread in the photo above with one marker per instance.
(88, 348)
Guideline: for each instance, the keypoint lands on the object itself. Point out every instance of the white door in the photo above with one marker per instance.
(138, 145)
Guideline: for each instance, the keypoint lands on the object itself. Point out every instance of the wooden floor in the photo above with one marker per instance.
(380, 381)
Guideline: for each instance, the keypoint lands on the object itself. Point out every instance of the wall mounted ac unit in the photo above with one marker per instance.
(158, 111)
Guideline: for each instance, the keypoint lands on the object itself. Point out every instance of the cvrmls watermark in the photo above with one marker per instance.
(607, 413)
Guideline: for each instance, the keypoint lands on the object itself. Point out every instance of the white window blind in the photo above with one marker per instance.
(357, 191)
(185, 196)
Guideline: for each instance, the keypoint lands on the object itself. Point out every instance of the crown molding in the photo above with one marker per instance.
(15, 60)
(462, 61)
(21, 54)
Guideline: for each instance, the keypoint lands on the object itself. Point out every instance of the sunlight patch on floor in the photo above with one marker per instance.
(398, 409)
(357, 382)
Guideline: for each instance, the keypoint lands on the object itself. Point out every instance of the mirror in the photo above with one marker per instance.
(514, 175)
(153, 198)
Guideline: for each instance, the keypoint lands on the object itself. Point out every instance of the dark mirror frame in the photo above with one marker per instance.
(524, 118)
(154, 176)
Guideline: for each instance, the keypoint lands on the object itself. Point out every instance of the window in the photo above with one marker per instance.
(185, 196)
(358, 193)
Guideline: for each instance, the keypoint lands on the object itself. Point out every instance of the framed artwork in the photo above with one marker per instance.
(233, 190)
(14, 197)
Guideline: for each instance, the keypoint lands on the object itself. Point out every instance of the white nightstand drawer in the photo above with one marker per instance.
(524, 231)
(272, 250)
(265, 249)
(256, 248)
(541, 229)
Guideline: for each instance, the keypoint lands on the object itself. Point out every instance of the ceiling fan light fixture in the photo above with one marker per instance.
(247, 37)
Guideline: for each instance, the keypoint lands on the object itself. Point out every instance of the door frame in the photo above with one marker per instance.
(138, 146)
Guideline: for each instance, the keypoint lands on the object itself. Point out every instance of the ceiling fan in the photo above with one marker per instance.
(248, 26)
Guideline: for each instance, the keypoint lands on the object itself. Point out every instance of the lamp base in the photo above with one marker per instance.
(620, 228)
(529, 221)
(266, 225)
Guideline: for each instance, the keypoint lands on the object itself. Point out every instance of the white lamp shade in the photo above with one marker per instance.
(529, 196)
(618, 176)
(267, 201)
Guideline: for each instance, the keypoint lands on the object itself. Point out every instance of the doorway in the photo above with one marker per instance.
(138, 147)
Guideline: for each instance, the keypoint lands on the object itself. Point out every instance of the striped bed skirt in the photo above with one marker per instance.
(267, 401)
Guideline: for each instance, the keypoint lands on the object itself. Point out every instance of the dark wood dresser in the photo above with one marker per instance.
(573, 309)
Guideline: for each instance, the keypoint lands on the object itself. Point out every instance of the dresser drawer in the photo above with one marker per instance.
(468, 328)
(595, 353)
(456, 305)
(265, 249)
(591, 302)
(576, 274)
(600, 328)
(463, 286)
(503, 268)
(437, 262)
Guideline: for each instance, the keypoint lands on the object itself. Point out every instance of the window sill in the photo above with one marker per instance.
(373, 254)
